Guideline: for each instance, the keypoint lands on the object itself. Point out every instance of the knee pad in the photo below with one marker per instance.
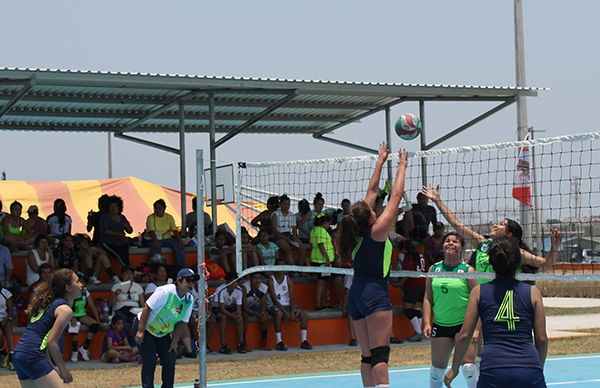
(417, 313)
(410, 313)
(436, 374)
(470, 372)
(94, 327)
(380, 354)
(365, 360)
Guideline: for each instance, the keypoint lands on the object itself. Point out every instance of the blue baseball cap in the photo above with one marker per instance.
(186, 272)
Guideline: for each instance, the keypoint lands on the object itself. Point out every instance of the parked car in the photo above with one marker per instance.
(591, 256)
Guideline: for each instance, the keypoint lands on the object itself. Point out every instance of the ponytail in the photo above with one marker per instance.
(351, 226)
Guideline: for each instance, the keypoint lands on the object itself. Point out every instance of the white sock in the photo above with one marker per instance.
(420, 325)
(303, 335)
(382, 386)
(278, 336)
(415, 322)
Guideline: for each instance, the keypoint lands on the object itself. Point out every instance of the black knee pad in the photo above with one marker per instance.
(94, 327)
(410, 313)
(417, 313)
(365, 360)
(380, 354)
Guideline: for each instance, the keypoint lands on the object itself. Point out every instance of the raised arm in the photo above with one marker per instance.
(374, 183)
(467, 233)
(548, 262)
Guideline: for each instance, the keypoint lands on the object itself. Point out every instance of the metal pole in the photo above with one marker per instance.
(182, 166)
(526, 223)
(238, 223)
(213, 161)
(109, 157)
(201, 281)
(536, 206)
(423, 142)
(388, 138)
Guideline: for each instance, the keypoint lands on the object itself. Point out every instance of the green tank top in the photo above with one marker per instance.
(450, 295)
(169, 315)
(78, 305)
(11, 229)
(482, 260)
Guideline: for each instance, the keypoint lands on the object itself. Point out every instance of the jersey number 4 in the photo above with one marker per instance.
(506, 312)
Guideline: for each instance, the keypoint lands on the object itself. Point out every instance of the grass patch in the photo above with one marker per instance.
(550, 288)
(550, 311)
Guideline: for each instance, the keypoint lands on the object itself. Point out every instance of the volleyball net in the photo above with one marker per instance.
(542, 184)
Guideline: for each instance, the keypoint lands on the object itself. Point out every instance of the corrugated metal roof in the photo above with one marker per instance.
(67, 100)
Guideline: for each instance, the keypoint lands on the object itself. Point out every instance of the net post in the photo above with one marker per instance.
(200, 269)
(423, 143)
(238, 221)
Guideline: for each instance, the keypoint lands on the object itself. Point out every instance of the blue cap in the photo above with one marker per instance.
(186, 272)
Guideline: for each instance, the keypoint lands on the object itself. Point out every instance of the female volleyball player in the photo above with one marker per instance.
(447, 298)
(368, 299)
(509, 310)
(50, 314)
(506, 227)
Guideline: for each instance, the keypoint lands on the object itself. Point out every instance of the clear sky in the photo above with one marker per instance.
(467, 42)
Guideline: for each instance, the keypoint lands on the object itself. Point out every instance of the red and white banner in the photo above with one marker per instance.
(522, 182)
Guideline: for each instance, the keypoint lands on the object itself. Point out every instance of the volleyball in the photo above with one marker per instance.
(408, 126)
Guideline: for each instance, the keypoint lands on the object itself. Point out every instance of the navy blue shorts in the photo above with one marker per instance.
(28, 367)
(513, 377)
(365, 298)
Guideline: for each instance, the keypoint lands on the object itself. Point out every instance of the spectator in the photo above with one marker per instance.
(303, 209)
(307, 223)
(223, 254)
(35, 223)
(126, 295)
(263, 220)
(93, 260)
(423, 215)
(251, 255)
(2, 214)
(268, 250)
(254, 304)
(80, 317)
(39, 255)
(323, 255)
(13, 233)
(280, 302)
(345, 209)
(113, 228)
(191, 222)
(59, 222)
(283, 225)
(115, 347)
(94, 219)
(6, 328)
(227, 304)
(6, 271)
(45, 274)
(159, 226)
(65, 254)
(434, 244)
(160, 280)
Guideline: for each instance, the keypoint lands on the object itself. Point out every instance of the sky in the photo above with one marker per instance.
(467, 42)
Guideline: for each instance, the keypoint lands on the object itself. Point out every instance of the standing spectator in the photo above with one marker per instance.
(94, 323)
(303, 209)
(423, 215)
(6, 328)
(59, 222)
(92, 260)
(113, 228)
(280, 302)
(191, 222)
(126, 295)
(345, 210)
(35, 223)
(323, 255)
(268, 250)
(40, 254)
(227, 304)
(283, 225)
(13, 233)
(94, 220)
(65, 255)
(434, 244)
(45, 273)
(6, 270)
(168, 311)
(254, 304)
(159, 226)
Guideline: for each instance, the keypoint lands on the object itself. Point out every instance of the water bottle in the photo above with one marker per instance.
(105, 311)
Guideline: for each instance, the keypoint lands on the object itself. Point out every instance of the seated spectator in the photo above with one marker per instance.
(160, 280)
(434, 244)
(35, 223)
(126, 295)
(223, 254)
(44, 274)
(93, 220)
(323, 255)
(6, 271)
(423, 215)
(65, 254)
(263, 220)
(159, 226)
(280, 302)
(251, 256)
(92, 260)
(303, 209)
(227, 304)
(283, 225)
(39, 255)
(191, 222)
(115, 347)
(13, 233)
(268, 250)
(114, 227)
(79, 317)
(345, 210)
(307, 223)
(6, 328)
(254, 304)
(59, 222)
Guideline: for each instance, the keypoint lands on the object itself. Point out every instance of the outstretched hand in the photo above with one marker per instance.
(431, 193)
(556, 238)
(384, 151)
(403, 157)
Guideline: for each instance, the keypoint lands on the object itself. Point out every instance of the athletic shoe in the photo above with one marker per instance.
(305, 345)
(93, 280)
(224, 349)
(209, 350)
(116, 360)
(74, 356)
(3, 360)
(10, 366)
(241, 349)
(264, 345)
(115, 279)
(85, 354)
(281, 346)
(248, 348)
(352, 342)
(416, 337)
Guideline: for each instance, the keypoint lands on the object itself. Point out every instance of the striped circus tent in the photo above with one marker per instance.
(82, 196)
